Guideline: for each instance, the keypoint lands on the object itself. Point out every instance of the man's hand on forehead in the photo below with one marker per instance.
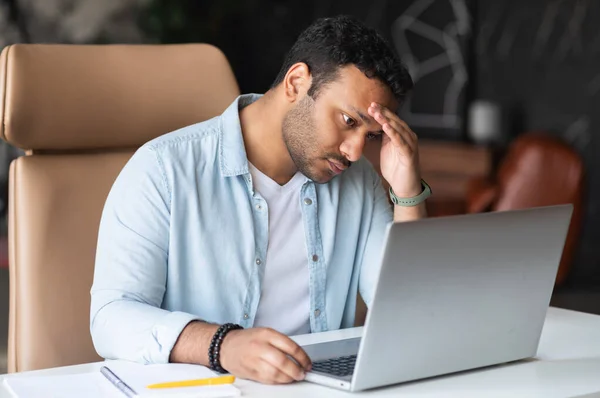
(399, 152)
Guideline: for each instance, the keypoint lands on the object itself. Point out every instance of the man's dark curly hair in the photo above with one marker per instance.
(330, 43)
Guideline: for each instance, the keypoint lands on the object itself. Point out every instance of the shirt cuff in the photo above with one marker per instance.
(166, 333)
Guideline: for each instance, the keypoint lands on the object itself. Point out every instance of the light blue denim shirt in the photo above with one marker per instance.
(184, 237)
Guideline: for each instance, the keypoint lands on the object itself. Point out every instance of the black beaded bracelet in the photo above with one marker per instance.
(215, 346)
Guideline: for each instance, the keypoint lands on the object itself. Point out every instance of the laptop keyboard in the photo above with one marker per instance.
(341, 366)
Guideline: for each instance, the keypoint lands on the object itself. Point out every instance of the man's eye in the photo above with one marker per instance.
(349, 121)
(373, 137)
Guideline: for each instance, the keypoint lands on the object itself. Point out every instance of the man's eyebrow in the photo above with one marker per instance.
(366, 119)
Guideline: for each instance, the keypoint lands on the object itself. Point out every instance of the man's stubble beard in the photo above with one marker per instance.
(300, 137)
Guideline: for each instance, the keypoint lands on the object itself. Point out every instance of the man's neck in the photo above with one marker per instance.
(261, 124)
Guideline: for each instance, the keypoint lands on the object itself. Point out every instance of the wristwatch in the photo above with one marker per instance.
(414, 200)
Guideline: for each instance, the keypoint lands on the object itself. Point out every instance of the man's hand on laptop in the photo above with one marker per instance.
(264, 355)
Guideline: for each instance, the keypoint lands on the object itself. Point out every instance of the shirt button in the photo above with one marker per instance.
(258, 207)
(317, 312)
(246, 316)
(307, 202)
(258, 261)
(315, 258)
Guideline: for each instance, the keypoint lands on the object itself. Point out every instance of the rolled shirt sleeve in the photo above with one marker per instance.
(126, 318)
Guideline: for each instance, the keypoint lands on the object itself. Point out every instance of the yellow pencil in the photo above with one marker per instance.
(211, 381)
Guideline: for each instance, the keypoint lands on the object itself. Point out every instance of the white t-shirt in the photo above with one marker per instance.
(284, 301)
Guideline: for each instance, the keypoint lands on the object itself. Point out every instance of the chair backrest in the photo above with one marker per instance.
(541, 170)
(79, 112)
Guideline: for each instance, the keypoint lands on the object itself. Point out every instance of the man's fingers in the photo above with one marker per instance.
(395, 126)
(382, 112)
(392, 117)
(396, 138)
(289, 347)
(405, 136)
(283, 363)
(388, 113)
(269, 374)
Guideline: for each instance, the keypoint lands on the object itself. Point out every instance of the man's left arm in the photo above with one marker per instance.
(403, 213)
(399, 161)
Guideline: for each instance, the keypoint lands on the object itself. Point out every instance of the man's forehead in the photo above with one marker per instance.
(359, 91)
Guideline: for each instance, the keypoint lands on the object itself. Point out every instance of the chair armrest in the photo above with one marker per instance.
(481, 194)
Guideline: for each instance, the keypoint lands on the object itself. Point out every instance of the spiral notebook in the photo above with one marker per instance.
(95, 385)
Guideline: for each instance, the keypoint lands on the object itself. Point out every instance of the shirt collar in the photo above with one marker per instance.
(232, 153)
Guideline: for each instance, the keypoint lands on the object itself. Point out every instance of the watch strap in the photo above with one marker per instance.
(414, 201)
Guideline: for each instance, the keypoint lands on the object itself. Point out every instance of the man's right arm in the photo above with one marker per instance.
(130, 281)
(260, 354)
(127, 321)
(193, 343)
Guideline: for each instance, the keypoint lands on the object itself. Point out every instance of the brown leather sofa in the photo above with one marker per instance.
(80, 112)
(538, 170)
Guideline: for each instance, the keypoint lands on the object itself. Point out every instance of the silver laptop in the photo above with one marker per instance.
(454, 293)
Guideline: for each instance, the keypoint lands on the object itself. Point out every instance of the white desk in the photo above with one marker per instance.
(567, 365)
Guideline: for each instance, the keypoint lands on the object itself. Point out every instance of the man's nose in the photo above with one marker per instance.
(352, 147)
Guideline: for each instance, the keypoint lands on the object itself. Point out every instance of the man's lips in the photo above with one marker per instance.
(336, 167)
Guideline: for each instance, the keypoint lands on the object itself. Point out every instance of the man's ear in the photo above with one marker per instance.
(297, 81)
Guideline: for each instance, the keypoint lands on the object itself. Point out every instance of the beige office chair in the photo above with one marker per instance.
(80, 112)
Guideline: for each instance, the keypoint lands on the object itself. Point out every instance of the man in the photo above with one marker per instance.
(266, 216)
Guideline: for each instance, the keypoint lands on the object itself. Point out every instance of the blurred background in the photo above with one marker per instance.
(503, 104)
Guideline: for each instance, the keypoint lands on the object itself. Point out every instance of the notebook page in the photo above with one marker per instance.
(139, 376)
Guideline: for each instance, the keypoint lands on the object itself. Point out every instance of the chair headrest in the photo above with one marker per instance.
(70, 97)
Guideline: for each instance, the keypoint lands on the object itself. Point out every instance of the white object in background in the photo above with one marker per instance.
(485, 122)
